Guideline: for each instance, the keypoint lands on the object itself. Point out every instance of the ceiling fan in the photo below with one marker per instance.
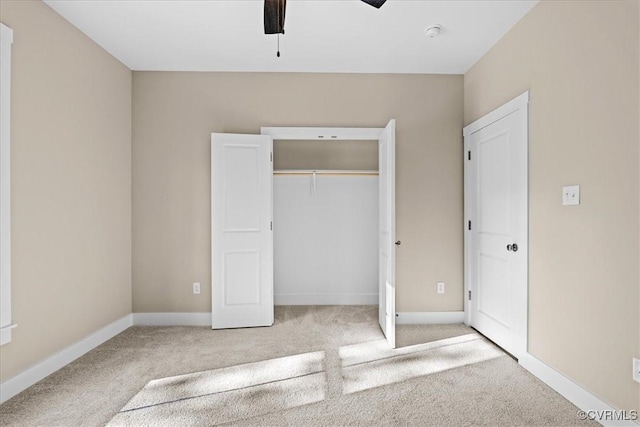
(274, 11)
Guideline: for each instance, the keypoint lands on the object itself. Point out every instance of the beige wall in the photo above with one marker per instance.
(71, 185)
(175, 113)
(325, 154)
(580, 61)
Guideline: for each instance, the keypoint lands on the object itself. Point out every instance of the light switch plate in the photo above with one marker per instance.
(571, 195)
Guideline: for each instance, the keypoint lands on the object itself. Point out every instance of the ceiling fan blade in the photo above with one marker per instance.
(375, 3)
(274, 16)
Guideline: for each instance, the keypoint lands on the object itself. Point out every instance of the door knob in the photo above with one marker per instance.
(398, 243)
(512, 247)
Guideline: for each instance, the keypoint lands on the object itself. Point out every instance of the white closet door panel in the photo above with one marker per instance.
(241, 236)
(325, 242)
(387, 232)
(241, 187)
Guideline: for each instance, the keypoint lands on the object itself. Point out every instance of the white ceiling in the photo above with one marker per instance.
(321, 35)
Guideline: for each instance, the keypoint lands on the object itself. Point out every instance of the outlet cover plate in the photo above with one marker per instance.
(196, 288)
(636, 369)
(571, 195)
(441, 287)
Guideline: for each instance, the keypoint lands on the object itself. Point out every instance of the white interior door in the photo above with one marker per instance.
(387, 225)
(497, 194)
(241, 231)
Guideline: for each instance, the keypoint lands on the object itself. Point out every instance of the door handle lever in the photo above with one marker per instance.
(398, 243)
(512, 247)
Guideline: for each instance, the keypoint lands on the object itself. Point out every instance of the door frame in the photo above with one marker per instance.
(311, 133)
(520, 102)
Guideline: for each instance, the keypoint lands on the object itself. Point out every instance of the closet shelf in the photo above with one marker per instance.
(323, 172)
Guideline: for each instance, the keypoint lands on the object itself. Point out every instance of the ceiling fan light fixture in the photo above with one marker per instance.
(433, 31)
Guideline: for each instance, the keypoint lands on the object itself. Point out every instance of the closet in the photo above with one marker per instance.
(325, 233)
(325, 216)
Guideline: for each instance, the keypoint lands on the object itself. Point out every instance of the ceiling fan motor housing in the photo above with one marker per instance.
(375, 3)
(274, 16)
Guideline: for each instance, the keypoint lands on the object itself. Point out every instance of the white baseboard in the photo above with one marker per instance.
(571, 391)
(172, 319)
(326, 299)
(41, 370)
(429, 317)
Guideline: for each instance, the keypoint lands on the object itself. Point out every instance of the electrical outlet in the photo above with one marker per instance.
(196, 288)
(571, 195)
(441, 287)
(636, 369)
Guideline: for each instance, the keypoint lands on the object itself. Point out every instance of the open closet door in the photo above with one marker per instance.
(241, 235)
(387, 235)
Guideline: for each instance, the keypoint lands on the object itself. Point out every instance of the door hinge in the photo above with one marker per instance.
(271, 156)
(271, 226)
(469, 155)
(469, 295)
(469, 224)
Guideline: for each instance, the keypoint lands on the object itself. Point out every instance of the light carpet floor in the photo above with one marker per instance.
(318, 365)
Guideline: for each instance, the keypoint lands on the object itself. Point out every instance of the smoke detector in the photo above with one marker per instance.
(433, 31)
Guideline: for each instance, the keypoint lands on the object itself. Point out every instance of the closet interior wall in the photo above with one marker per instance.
(325, 222)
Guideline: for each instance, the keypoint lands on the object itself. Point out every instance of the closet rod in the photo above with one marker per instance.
(324, 172)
